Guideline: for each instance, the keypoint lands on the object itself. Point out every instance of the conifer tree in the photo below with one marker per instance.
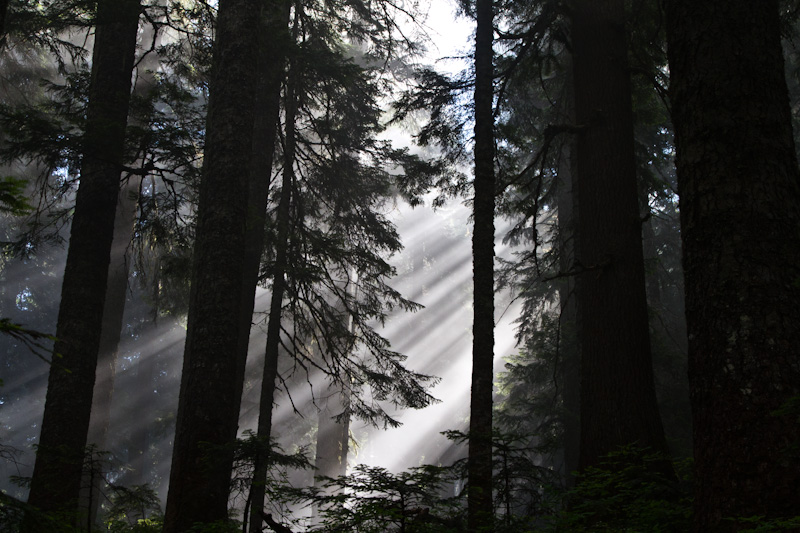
(328, 236)
(57, 473)
(279, 271)
(479, 488)
(618, 401)
(208, 408)
(739, 191)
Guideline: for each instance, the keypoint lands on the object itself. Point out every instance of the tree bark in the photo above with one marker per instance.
(207, 418)
(272, 48)
(618, 401)
(113, 311)
(568, 320)
(479, 464)
(57, 474)
(116, 293)
(739, 191)
(333, 429)
(272, 350)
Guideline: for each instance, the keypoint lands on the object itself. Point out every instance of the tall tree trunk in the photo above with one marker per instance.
(116, 294)
(57, 474)
(618, 401)
(479, 463)
(270, 373)
(3, 14)
(332, 435)
(333, 428)
(739, 191)
(568, 320)
(272, 48)
(207, 419)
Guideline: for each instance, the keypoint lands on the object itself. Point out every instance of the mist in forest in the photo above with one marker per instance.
(399, 266)
(434, 270)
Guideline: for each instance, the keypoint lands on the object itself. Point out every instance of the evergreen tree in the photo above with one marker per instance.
(740, 221)
(121, 260)
(618, 401)
(479, 489)
(326, 263)
(272, 51)
(279, 271)
(208, 408)
(57, 474)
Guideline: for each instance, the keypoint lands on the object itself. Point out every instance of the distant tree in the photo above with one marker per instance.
(57, 473)
(326, 261)
(479, 488)
(740, 220)
(618, 401)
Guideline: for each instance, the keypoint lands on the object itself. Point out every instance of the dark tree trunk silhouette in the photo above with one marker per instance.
(113, 311)
(479, 464)
(207, 418)
(3, 14)
(272, 350)
(618, 401)
(568, 318)
(739, 191)
(116, 293)
(57, 474)
(272, 46)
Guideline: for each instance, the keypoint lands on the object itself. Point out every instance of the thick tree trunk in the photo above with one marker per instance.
(207, 419)
(618, 401)
(59, 458)
(116, 295)
(568, 319)
(479, 463)
(272, 350)
(739, 191)
(113, 311)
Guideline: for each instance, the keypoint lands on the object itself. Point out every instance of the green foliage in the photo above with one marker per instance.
(142, 525)
(372, 499)
(135, 509)
(12, 196)
(761, 525)
(16, 516)
(521, 483)
(631, 490)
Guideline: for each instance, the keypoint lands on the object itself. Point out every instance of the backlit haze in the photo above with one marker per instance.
(434, 269)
